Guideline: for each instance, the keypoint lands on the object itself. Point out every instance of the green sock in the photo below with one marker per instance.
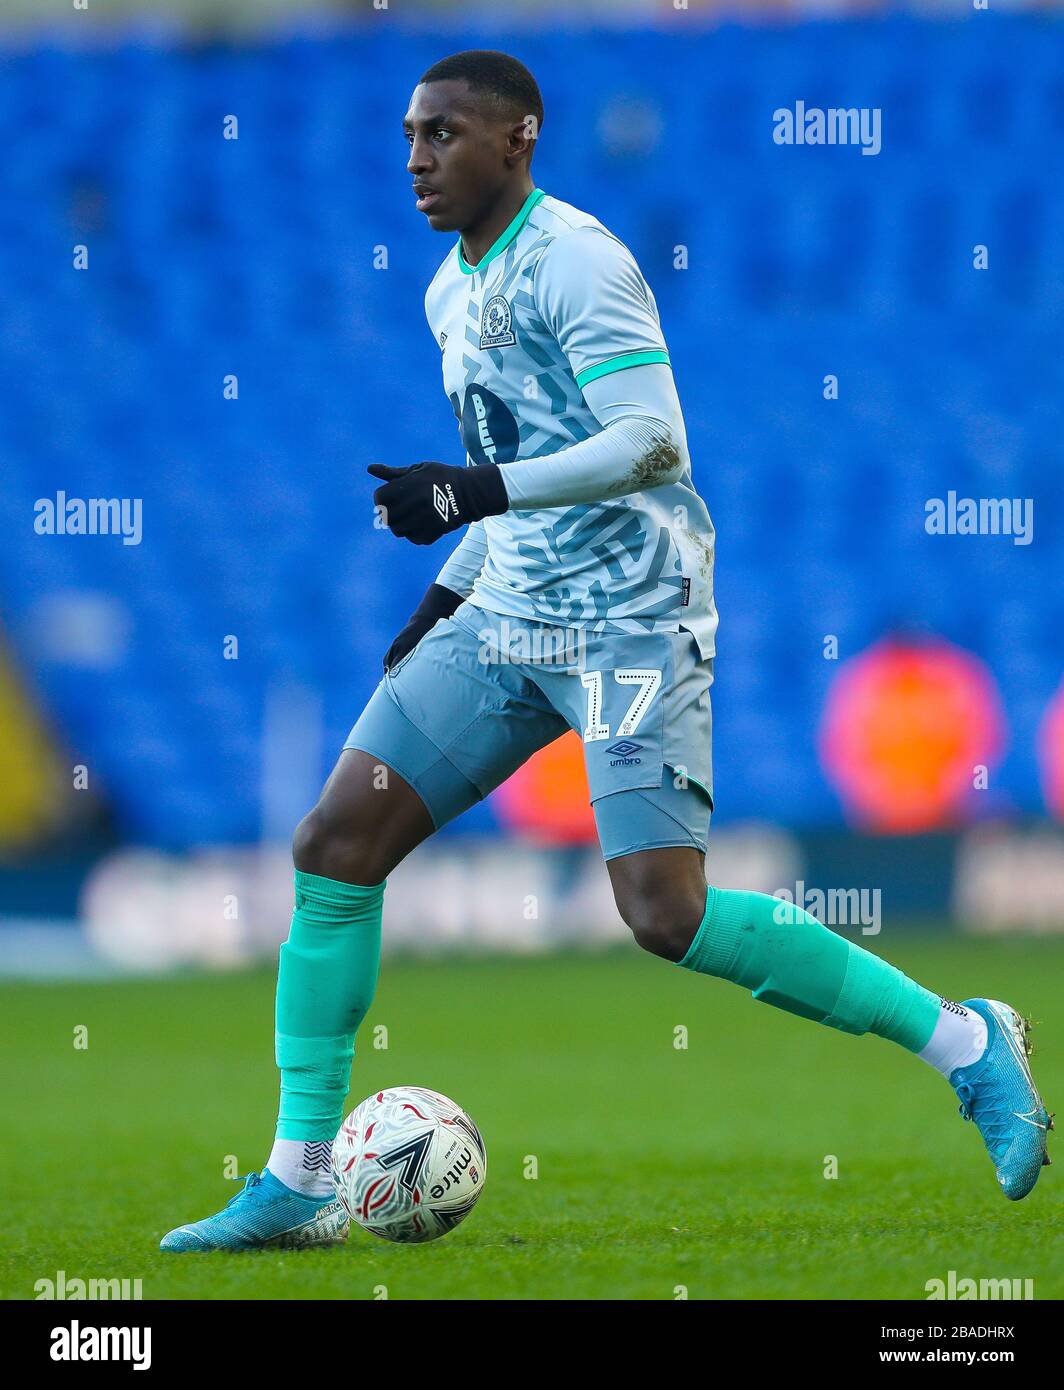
(788, 958)
(325, 984)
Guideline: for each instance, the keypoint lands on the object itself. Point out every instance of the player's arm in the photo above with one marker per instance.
(452, 585)
(462, 567)
(637, 448)
(591, 297)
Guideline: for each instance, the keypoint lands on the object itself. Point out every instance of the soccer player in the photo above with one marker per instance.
(579, 597)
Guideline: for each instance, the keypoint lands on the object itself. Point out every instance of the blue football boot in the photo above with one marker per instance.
(264, 1213)
(998, 1093)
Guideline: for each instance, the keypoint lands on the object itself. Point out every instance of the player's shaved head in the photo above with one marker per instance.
(472, 125)
(495, 80)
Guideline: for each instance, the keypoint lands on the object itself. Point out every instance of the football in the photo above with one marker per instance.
(408, 1164)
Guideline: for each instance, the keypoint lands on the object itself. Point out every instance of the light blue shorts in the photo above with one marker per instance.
(480, 693)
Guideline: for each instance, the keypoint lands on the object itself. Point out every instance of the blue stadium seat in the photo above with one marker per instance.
(254, 257)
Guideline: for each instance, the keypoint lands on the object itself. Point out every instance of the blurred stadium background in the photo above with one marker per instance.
(212, 313)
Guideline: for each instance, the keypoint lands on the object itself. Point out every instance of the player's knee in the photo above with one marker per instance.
(310, 843)
(322, 845)
(663, 923)
(660, 935)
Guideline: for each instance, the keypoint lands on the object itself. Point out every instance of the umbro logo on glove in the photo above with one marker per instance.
(444, 501)
(424, 502)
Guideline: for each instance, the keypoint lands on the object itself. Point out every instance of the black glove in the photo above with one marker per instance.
(426, 501)
(439, 602)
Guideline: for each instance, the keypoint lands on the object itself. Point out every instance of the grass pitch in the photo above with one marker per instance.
(657, 1168)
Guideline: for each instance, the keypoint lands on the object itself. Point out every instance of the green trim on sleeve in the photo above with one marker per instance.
(503, 240)
(618, 364)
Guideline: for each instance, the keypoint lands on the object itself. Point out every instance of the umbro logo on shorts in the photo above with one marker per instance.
(622, 751)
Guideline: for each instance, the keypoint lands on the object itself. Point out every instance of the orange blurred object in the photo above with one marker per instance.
(905, 728)
(1051, 754)
(547, 798)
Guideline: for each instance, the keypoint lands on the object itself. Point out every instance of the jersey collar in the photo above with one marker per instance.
(504, 239)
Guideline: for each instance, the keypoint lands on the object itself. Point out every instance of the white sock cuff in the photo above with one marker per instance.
(959, 1039)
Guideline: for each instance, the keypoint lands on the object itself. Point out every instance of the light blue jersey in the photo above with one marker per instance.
(555, 304)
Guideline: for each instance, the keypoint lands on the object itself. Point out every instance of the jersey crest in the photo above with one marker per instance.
(496, 324)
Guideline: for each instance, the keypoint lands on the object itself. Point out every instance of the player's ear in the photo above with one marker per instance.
(523, 136)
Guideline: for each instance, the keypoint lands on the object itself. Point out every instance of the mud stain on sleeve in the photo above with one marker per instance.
(650, 469)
